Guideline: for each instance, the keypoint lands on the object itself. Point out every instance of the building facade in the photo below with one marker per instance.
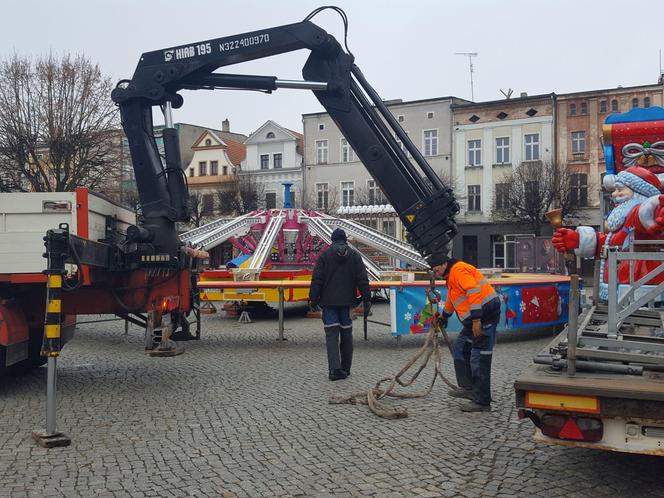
(187, 134)
(274, 157)
(335, 177)
(580, 117)
(489, 140)
(213, 168)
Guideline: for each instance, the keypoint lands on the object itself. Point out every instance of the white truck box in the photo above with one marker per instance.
(25, 218)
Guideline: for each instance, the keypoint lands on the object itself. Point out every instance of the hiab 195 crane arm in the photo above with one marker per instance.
(425, 205)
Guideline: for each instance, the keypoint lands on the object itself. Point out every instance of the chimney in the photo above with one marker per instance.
(524, 94)
(226, 125)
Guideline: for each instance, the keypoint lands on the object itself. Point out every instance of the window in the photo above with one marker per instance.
(270, 200)
(276, 161)
(584, 108)
(502, 150)
(214, 168)
(321, 151)
(578, 142)
(635, 103)
(202, 168)
(265, 161)
(614, 105)
(347, 154)
(208, 142)
(531, 192)
(321, 126)
(474, 152)
(191, 172)
(224, 170)
(501, 194)
(375, 193)
(401, 118)
(504, 251)
(532, 147)
(429, 115)
(474, 198)
(322, 196)
(208, 204)
(390, 228)
(401, 146)
(646, 101)
(572, 109)
(430, 142)
(579, 189)
(347, 193)
(602, 106)
(269, 135)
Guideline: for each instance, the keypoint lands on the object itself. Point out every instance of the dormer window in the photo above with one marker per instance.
(208, 142)
(269, 135)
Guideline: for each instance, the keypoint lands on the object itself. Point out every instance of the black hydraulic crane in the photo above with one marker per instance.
(425, 205)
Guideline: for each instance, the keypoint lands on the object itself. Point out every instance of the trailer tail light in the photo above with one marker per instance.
(573, 428)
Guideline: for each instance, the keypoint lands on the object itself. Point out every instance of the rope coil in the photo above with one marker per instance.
(372, 397)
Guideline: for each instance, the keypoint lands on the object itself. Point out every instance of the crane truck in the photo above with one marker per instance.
(600, 383)
(147, 276)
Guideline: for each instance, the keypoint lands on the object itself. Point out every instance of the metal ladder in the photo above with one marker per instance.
(203, 229)
(378, 240)
(264, 247)
(224, 232)
(318, 227)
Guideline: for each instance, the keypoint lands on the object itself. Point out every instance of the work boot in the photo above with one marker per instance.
(346, 349)
(460, 393)
(475, 407)
(337, 375)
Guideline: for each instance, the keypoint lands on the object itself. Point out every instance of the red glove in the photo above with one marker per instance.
(565, 239)
(659, 216)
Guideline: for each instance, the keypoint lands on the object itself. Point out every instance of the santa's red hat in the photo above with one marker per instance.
(640, 180)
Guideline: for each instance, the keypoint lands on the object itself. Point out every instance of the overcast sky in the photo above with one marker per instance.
(406, 49)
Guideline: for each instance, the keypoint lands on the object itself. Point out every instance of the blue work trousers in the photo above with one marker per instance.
(472, 360)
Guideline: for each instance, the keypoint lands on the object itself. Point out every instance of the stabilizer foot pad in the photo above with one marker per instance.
(50, 440)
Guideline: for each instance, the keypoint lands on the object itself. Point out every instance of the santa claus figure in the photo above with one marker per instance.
(637, 216)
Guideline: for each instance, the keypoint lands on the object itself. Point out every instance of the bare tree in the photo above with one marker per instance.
(311, 201)
(242, 195)
(196, 207)
(526, 193)
(58, 125)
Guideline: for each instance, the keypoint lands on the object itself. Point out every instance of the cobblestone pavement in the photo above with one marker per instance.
(240, 414)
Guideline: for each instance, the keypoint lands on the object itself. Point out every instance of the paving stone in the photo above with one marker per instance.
(240, 414)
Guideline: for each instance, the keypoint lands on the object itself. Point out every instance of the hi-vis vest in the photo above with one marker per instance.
(467, 292)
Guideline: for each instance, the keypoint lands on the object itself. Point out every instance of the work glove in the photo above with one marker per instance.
(565, 239)
(367, 308)
(477, 328)
(659, 217)
(313, 307)
(443, 321)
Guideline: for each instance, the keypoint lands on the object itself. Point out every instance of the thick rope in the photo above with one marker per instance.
(372, 397)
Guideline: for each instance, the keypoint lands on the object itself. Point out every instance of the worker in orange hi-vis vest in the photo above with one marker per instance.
(478, 307)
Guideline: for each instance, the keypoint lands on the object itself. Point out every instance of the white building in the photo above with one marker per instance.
(335, 177)
(274, 157)
(490, 139)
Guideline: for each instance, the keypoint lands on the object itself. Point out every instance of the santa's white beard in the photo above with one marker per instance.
(616, 218)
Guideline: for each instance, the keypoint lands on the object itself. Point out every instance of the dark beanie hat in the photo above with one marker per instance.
(437, 258)
(339, 235)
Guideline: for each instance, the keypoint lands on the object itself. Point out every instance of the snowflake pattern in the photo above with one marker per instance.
(410, 307)
(407, 316)
(522, 306)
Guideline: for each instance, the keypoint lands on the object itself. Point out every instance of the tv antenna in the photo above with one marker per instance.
(507, 93)
(470, 56)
